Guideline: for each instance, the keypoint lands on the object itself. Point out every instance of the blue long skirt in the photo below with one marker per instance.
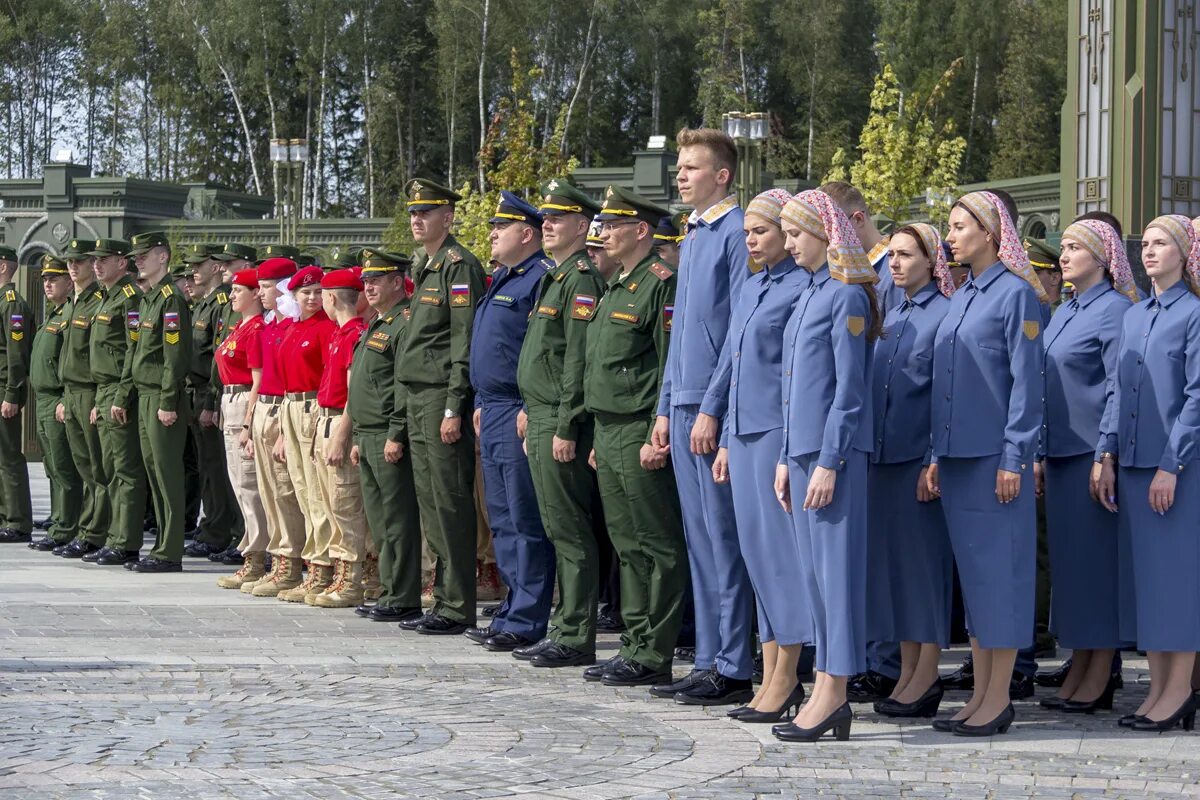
(832, 543)
(1165, 560)
(995, 549)
(910, 568)
(1082, 538)
(767, 539)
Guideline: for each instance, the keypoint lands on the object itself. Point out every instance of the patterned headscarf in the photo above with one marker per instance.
(937, 256)
(1101, 240)
(816, 213)
(1180, 229)
(991, 213)
(769, 205)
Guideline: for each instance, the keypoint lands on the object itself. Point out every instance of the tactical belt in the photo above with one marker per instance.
(300, 396)
(270, 399)
(237, 388)
(325, 411)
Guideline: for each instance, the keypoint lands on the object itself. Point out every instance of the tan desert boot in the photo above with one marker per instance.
(276, 565)
(347, 591)
(322, 576)
(289, 575)
(253, 568)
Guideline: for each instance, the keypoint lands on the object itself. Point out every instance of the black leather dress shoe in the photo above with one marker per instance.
(528, 651)
(200, 550)
(79, 548)
(94, 556)
(480, 635)
(364, 609)
(230, 556)
(631, 673)
(62, 548)
(716, 690)
(685, 654)
(1020, 687)
(115, 557)
(869, 686)
(595, 673)
(668, 690)
(608, 621)
(10, 536)
(560, 655)
(394, 613)
(924, 706)
(490, 611)
(188, 533)
(962, 679)
(415, 622)
(1053, 679)
(151, 564)
(44, 545)
(437, 625)
(506, 642)
(44, 524)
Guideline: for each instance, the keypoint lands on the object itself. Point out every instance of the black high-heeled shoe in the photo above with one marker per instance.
(838, 722)
(999, 725)
(1185, 715)
(946, 725)
(1104, 702)
(924, 706)
(793, 701)
(1053, 702)
(1128, 720)
(737, 712)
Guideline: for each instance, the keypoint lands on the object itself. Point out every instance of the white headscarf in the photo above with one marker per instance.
(286, 305)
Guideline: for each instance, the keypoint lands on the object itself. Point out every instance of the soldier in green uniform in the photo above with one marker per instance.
(558, 432)
(376, 407)
(626, 355)
(114, 331)
(16, 514)
(66, 488)
(79, 398)
(345, 258)
(158, 367)
(432, 365)
(222, 521)
(181, 275)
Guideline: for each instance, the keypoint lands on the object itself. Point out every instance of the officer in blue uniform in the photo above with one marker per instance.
(911, 568)
(524, 554)
(987, 416)
(821, 478)
(1151, 429)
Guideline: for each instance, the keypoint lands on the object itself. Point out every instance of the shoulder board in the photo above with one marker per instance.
(99, 295)
(547, 264)
(661, 270)
(584, 265)
(128, 290)
(222, 298)
(454, 255)
(167, 290)
(10, 296)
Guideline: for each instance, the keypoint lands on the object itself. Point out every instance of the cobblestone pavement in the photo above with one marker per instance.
(114, 685)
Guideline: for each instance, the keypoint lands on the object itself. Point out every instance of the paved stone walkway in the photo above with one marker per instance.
(114, 685)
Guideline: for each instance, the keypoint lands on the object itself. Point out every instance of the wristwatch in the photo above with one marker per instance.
(450, 414)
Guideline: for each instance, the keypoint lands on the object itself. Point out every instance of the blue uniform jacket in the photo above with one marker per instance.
(1153, 416)
(500, 322)
(713, 265)
(753, 352)
(987, 371)
(827, 372)
(903, 377)
(1081, 368)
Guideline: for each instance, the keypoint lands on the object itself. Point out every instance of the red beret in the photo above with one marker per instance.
(309, 276)
(341, 279)
(247, 278)
(276, 269)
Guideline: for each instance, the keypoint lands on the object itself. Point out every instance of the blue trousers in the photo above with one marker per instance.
(524, 554)
(832, 543)
(720, 585)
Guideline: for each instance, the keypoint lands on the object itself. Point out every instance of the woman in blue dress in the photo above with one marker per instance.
(910, 567)
(1151, 432)
(750, 442)
(987, 416)
(1081, 369)
(826, 441)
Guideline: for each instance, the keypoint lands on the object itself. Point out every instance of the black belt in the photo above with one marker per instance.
(270, 399)
(300, 396)
(237, 388)
(325, 411)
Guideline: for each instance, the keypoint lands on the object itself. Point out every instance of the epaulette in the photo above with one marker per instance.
(99, 295)
(454, 255)
(128, 290)
(167, 290)
(10, 296)
(222, 298)
(548, 265)
(661, 270)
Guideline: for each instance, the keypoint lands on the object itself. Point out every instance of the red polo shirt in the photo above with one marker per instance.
(341, 352)
(241, 352)
(269, 339)
(303, 350)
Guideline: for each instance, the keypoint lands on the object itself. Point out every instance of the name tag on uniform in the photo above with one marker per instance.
(431, 300)
(504, 299)
(632, 319)
(549, 312)
(200, 325)
(378, 341)
(103, 318)
(80, 322)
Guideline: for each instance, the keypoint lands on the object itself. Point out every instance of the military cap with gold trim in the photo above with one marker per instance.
(7, 254)
(511, 208)
(232, 251)
(144, 242)
(109, 247)
(1041, 254)
(671, 228)
(53, 265)
(623, 204)
(199, 252)
(78, 249)
(380, 262)
(277, 251)
(425, 195)
(558, 196)
(307, 260)
(345, 257)
(593, 234)
(179, 271)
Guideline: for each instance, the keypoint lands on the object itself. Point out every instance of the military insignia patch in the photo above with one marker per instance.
(1031, 329)
(625, 317)
(549, 312)
(17, 321)
(855, 325)
(407, 313)
(430, 300)
(661, 271)
(460, 294)
(171, 320)
(79, 322)
(171, 338)
(632, 287)
(584, 307)
(668, 317)
(132, 318)
(10, 296)
(103, 318)
(200, 325)
(128, 290)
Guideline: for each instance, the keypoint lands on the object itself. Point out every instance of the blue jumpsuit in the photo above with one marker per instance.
(827, 423)
(712, 269)
(910, 568)
(1081, 368)
(753, 433)
(1152, 422)
(524, 554)
(987, 414)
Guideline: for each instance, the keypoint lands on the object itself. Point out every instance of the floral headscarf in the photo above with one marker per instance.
(815, 212)
(992, 214)
(937, 256)
(769, 205)
(1180, 229)
(1101, 240)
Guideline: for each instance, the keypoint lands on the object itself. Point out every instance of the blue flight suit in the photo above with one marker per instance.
(827, 423)
(524, 554)
(753, 433)
(911, 566)
(1081, 370)
(1151, 423)
(713, 265)
(987, 415)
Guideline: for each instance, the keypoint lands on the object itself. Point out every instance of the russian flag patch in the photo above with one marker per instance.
(583, 307)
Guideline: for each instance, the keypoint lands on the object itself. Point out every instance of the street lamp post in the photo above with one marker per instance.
(289, 156)
(748, 132)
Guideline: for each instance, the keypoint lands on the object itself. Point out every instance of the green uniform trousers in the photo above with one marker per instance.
(390, 499)
(66, 487)
(162, 453)
(16, 509)
(222, 522)
(645, 524)
(445, 476)
(564, 497)
(191, 470)
(125, 470)
(95, 514)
